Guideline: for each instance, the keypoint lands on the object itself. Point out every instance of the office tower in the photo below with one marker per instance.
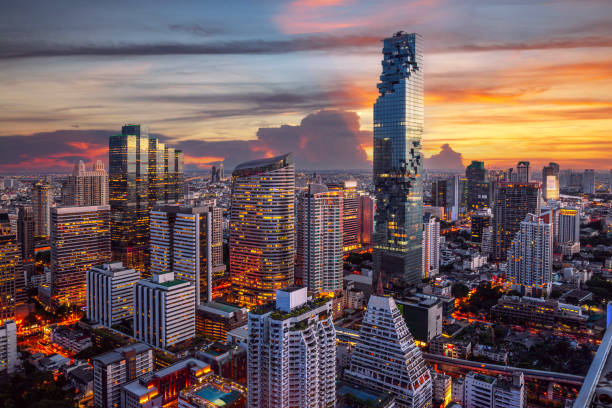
(367, 208)
(530, 256)
(261, 236)
(398, 128)
(522, 169)
(142, 173)
(439, 190)
(164, 310)
(221, 172)
(483, 391)
(479, 221)
(214, 175)
(478, 195)
(42, 197)
(189, 242)
(454, 197)
(80, 240)
(350, 211)
(431, 246)
(610, 182)
(291, 359)
(550, 181)
(115, 368)
(588, 181)
(512, 203)
(25, 232)
(569, 225)
(8, 347)
(386, 359)
(319, 239)
(110, 293)
(87, 187)
(11, 270)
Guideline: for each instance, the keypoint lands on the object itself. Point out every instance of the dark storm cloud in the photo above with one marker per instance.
(446, 159)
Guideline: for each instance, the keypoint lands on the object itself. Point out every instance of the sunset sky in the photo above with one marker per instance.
(505, 80)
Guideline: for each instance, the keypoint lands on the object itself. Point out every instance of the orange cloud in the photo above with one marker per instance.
(203, 161)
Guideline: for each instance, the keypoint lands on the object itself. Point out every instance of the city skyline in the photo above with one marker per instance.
(535, 84)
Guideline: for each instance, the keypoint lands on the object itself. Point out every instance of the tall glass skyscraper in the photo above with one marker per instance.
(398, 127)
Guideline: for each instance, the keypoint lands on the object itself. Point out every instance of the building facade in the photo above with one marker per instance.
(110, 293)
(569, 225)
(11, 271)
(478, 187)
(483, 391)
(262, 222)
(350, 213)
(25, 232)
(42, 198)
(588, 181)
(86, 187)
(550, 181)
(8, 347)
(522, 170)
(398, 179)
(386, 357)
(291, 360)
(431, 246)
(80, 240)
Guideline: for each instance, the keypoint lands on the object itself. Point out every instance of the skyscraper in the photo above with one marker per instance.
(11, 270)
(189, 242)
(478, 188)
(25, 232)
(261, 237)
(142, 173)
(588, 181)
(291, 359)
(512, 203)
(431, 246)
(386, 359)
(530, 255)
(87, 187)
(569, 225)
(80, 240)
(522, 168)
(350, 213)
(367, 207)
(319, 239)
(398, 128)
(42, 198)
(550, 181)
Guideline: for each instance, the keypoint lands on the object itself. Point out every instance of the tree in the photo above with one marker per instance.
(460, 290)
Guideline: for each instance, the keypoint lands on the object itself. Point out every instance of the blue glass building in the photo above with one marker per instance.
(398, 128)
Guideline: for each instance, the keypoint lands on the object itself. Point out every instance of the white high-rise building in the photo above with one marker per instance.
(387, 359)
(569, 225)
(8, 347)
(319, 239)
(483, 391)
(110, 293)
(588, 181)
(291, 360)
(164, 310)
(188, 241)
(87, 186)
(530, 255)
(431, 246)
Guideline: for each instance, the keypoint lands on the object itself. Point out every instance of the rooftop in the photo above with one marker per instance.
(119, 353)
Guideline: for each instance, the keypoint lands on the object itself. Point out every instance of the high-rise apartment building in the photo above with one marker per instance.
(80, 240)
(431, 246)
(367, 208)
(398, 179)
(25, 232)
(291, 359)
(42, 198)
(110, 293)
(164, 310)
(478, 187)
(550, 181)
(530, 255)
(588, 181)
(569, 225)
(11, 270)
(8, 347)
(512, 203)
(483, 391)
(439, 189)
(350, 213)
(522, 170)
(86, 187)
(115, 368)
(455, 198)
(189, 242)
(386, 358)
(479, 221)
(319, 239)
(261, 236)
(142, 173)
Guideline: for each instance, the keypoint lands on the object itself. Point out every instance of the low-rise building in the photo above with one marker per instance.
(213, 392)
(215, 319)
(442, 389)
(70, 339)
(483, 391)
(226, 360)
(458, 390)
(449, 347)
(423, 316)
(492, 353)
(352, 397)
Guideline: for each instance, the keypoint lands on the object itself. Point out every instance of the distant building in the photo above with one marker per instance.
(302, 372)
(479, 221)
(12, 282)
(80, 240)
(350, 213)
(478, 194)
(483, 391)
(215, 319)
(588, 181)
(367, 208)
(110, 293)
(550, 181)
(86, 187)
(42, 198)
(164, 310)
(569, 225)
(25, 232)
(263, 205)
(8, 347)
(386, 358)
(522, 169)
(431, 246)
(114, 369)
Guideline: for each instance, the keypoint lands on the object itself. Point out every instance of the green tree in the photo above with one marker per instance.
(460, 290)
